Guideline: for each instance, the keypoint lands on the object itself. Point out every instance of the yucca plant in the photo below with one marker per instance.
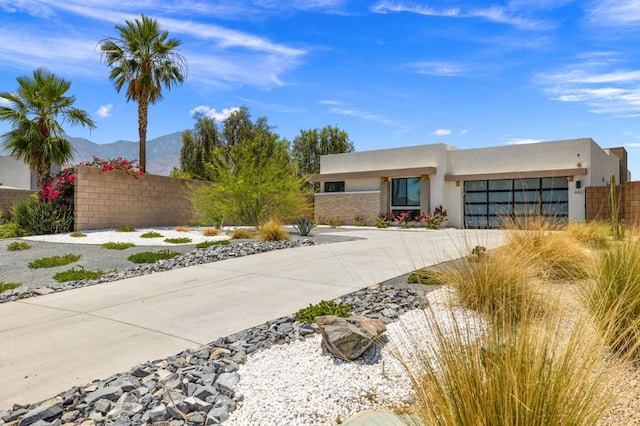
(613, 297)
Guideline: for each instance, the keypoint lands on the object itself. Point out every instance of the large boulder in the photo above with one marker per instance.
(349, 338)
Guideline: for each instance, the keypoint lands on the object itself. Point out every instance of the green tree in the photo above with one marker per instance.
(143, 58)
(197, 148)
(253, 177)
(34, 109)
(309, 145)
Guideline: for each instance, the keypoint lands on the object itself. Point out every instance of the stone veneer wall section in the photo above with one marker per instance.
(113, 199)
(8, 197)
(346, 206)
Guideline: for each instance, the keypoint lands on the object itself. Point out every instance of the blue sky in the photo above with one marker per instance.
(390, 73)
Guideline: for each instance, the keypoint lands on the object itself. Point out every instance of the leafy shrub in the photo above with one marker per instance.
(151, 234)
(153, 256)
(8, 286)
(382, 220)
(18, 245)
(210, 232)
(181, 229)
(126, 229)
(177, 240)
(52, 262)
(77, 274)
(241, 234)
(77, 234)
(12, 230)
(272, 230)
(304, 226)
(425, 276)
(41, 217)
(117, 246)
(206, 244)
(309, 313)
(358, 221)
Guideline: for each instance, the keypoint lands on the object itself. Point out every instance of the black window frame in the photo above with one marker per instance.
(337, 186)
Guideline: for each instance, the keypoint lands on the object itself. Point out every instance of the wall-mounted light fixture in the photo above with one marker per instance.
(578, 184)
(457, 183)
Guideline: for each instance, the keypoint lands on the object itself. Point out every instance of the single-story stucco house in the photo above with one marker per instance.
(478, 187)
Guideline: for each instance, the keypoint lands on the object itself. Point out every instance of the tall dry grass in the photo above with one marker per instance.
(595, 234)
(539, 372)
(272, 230)
(613, 297)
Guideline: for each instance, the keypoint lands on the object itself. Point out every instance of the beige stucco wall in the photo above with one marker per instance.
(113, 199)
(346, 206)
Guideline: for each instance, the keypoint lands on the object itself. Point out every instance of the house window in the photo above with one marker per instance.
(405, 192)
(334, 186)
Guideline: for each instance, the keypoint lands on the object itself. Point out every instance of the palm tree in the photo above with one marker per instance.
(143, 59)
(36, 136)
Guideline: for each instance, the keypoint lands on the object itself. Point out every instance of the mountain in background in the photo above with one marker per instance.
(163, 153)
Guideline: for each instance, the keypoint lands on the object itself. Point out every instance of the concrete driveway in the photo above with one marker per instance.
(51, 343)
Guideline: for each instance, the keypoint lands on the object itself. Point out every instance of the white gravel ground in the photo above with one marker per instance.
(301, 384)
(109, 235)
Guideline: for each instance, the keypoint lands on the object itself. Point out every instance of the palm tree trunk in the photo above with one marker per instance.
(143, 106)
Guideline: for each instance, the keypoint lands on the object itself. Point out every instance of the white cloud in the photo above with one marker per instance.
(329, 102)
(521, 141)
(633, 145)
(213, 113)
(337, 107)
(442, 132)
(445, 69)
(104, 111)
(615, 13)
(464, 131)
(496, 14)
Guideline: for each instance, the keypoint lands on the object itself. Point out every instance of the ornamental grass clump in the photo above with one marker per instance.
(8, 286)
(538, 372)
(210, 232)
(206, 244)
(117, 246)
(151, 234)
(241, 234)
(177, 240)
(272, 230)
(18, 245)
(77, 274)
(613, 298)
(153, 256)
(594, 234)
(554, 254)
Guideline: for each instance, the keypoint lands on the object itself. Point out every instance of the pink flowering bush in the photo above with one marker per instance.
(58, 191)
(436, 219)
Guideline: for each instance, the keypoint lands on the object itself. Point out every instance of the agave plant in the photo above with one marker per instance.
(304, 226)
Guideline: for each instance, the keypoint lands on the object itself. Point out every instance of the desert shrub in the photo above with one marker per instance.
(593, 234)
(18, 245)
(181, 229)
(77, 234)
(272, 230)
(547, 372)
(8, 286)
(241, 234)
(613, 297)
(334, 222)
(358, 221)
(125, 229)
(206, 244)
(53, 261)
(210, 232)
(151, 234)
(153, 256)
(177, 240)
(41, 217)
(382, 221)
(309, 313)
(117, 246)
(12, 230)
(426, 276)
(77, 274)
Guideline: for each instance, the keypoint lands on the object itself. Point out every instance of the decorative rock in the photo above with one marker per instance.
(41, 413)
(111, 393)
(349, 338)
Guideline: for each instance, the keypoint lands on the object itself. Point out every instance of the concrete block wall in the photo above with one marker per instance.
(598, 201)
(346, 206)
(113, 199)
(8, 197)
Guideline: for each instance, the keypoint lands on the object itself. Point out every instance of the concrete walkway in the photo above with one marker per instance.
(50, 343)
